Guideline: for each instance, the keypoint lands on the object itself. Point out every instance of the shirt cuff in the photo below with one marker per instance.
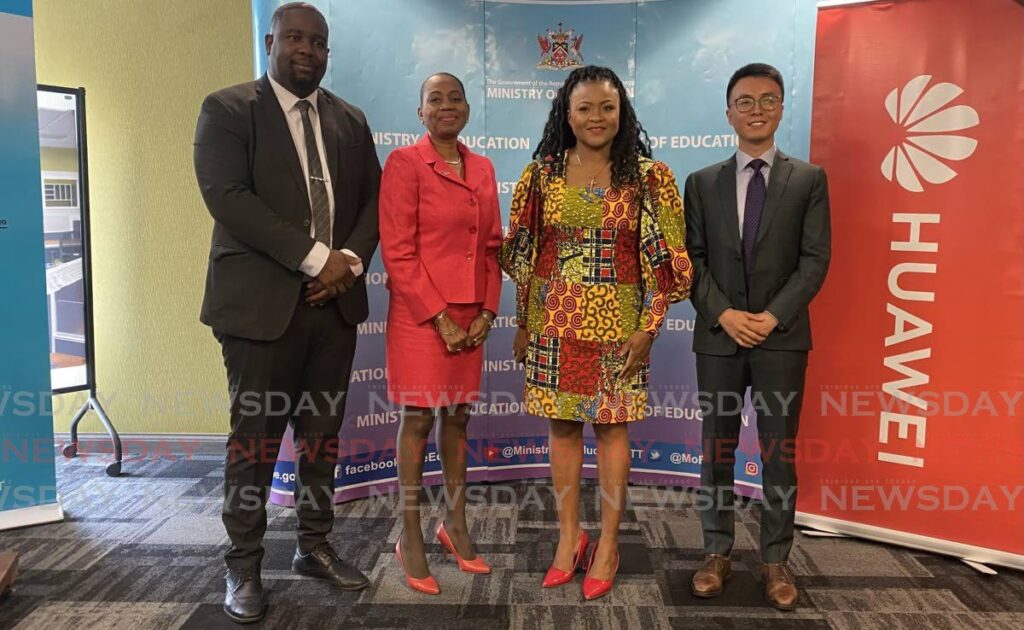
(357, 269)
(315, 260)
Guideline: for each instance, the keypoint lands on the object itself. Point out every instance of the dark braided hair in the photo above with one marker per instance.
(630, 143)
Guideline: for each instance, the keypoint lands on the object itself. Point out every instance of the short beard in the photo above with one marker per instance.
(305, 87)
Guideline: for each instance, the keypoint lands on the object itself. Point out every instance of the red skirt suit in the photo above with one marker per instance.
(440, 237)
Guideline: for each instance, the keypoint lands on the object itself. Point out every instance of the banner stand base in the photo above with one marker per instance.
(35, 515)
(817, 533)
(113, 468)
(975, 557)
(984, 569)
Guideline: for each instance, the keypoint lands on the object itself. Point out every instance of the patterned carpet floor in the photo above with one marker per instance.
(144, 551)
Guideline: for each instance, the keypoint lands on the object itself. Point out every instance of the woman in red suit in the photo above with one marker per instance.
(440, 233)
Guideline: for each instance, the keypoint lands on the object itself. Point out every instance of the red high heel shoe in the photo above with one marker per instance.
(592, 589)
(558, 577)
(476, 565)
(426, 585)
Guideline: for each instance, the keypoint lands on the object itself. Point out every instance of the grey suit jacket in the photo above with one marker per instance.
(251, 180)
(791, 260)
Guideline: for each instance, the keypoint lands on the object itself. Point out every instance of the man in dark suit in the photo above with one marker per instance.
(289, 172)
(757, 229)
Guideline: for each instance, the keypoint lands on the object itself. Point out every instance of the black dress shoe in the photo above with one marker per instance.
(324, 563)
(244, 600)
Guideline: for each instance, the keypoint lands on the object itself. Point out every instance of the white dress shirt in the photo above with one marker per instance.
(315, 260)
(744, 175)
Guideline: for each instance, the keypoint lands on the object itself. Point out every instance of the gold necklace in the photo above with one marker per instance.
(452, 162)
(591, 188)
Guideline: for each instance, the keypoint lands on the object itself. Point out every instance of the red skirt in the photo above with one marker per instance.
(421, 371)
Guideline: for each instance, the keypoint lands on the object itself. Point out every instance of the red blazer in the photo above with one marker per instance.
(440, 235)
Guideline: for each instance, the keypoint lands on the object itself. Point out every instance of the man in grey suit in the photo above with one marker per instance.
(290, 174)
(757, 230)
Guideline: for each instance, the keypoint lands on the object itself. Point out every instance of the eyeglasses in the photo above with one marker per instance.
(768, 102)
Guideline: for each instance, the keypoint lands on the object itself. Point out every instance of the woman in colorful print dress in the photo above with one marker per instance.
(596, 247)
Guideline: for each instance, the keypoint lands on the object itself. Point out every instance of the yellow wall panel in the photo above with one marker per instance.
(146, 67)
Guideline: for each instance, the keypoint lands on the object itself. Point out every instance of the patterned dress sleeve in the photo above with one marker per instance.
(522, 242)
(665, 266)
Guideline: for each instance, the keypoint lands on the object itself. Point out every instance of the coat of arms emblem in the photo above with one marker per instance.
(560, 50)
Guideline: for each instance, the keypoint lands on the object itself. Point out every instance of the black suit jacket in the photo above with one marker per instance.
(791, 260)
(251, 179)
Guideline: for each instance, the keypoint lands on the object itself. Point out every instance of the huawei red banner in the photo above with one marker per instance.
(913, 423)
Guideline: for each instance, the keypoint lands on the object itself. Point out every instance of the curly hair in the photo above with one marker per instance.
(629, 145)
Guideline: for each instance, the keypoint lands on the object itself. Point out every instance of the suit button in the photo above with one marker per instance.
(472, 229)
(472, 201)
(739, 258)
(469, 255)
(742, 292)
(305, 223)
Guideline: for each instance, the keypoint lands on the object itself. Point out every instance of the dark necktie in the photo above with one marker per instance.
(319, 203)
(756, 192)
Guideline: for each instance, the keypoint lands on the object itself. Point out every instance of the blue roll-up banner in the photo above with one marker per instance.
(674, 56)
(28, 488)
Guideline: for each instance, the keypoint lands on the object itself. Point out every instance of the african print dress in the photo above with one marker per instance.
(592, 268)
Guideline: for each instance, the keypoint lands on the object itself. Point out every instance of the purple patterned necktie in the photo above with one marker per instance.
(756, 192)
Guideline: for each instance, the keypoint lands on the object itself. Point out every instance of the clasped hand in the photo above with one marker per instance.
(747, 329)
(457, 339)
(335, 278)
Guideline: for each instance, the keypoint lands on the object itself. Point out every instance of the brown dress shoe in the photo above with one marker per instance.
(711, 576)
(779, 585)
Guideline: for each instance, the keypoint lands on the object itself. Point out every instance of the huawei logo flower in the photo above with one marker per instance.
(925, 124)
